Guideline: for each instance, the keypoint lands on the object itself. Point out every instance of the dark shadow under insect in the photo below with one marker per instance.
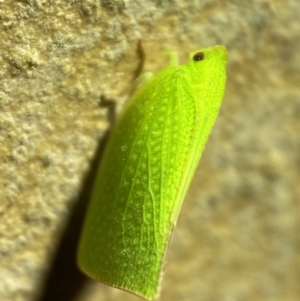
(65, 280)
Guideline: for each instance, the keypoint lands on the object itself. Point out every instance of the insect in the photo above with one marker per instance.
(146, 170)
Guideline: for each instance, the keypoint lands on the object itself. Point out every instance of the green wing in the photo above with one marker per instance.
(143, 178)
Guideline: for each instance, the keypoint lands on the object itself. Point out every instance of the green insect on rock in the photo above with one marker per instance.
(146, 170)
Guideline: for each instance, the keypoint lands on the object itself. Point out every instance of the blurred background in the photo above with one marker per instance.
(237, 237)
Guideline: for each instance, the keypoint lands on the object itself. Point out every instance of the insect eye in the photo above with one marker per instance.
(199, 56)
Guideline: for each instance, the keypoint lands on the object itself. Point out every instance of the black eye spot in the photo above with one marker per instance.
(199, 56)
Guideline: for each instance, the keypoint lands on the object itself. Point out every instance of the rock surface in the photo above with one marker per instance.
(237, 237)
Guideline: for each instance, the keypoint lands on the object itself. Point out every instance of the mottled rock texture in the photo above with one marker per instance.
(237, 237)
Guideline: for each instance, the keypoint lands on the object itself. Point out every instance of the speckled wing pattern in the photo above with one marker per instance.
(144, 175)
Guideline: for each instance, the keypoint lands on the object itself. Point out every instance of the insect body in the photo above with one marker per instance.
(146, 170)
